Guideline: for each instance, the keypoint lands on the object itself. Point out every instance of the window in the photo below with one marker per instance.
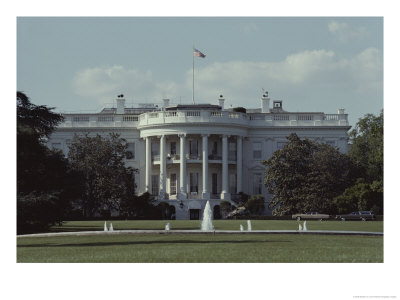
(214, 183)
(172, 184)
(257, 184)
(155, 181)
(257, 150)
(277, 104)
(280, 145)
(193, 149)
(214, 150)
(232, 183)
(232, 151)
(56, 146)
(68, 144)
(155, 150)
(173, 148)
(130, 151)
(194, 184)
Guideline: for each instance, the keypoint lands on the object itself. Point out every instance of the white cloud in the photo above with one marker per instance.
(344, 33)
(296, 76)
(104, 83)
(318, 69)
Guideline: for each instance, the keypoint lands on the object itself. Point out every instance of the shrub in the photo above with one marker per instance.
(37, 211)
(255, 205)
(226, 208)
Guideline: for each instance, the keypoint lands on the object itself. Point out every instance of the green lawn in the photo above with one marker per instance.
(376, 226)
(205, 247)
(201, 248)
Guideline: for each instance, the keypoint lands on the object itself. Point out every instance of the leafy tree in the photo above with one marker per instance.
(143, 207)
(106, 179)
(44, 180)
(359, 196)
(255, 205)
(366, 152)
(165, 210)
(35, 120)
(367, 147)
(305, 176)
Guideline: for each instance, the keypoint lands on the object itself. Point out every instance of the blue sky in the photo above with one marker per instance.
(311, 63)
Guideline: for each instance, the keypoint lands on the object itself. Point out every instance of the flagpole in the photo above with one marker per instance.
(193, 75)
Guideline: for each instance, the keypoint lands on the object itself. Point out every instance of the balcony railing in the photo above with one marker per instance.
(204, 116)
(99, 120)
(237, 118)
(214, 157)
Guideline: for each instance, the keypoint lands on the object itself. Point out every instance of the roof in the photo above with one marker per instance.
(193, 107)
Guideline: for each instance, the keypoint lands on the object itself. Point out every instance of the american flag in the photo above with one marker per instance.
(198, 53)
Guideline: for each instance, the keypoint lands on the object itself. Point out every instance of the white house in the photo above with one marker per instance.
(188, 154)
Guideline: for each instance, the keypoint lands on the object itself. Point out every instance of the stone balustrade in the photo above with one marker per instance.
(204, 116)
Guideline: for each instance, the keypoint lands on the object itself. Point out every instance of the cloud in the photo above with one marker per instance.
(344, 33)
(318, 72)
(317, 69)
(104, 83)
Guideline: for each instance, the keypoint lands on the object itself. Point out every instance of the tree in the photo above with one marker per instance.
(35, 120)
(359, 196)
(366, 152)
(255, 205)
(305, 176)
(367, 147)
(106, 180)
(43, 176)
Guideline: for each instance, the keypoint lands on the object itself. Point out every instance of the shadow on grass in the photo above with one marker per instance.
(102, 244)
(93, 228)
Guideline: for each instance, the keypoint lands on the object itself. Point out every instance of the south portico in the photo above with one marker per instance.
(187, 168)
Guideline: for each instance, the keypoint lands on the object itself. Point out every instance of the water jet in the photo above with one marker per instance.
(206, 224)
(248, 225)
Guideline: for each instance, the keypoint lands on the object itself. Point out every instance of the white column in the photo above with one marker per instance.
(224, 194)
(182, 179)
(206, 194)
(239, 164)
(163, 167)
(148, 165)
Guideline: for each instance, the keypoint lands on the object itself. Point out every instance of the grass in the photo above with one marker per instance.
(205, 248)
(375, 226)
(201, 248)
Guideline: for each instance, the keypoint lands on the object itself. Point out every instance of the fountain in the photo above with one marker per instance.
(248, 225)
(168, 226)
(305, 225)
(206, 224)
(105, 226)
(300, 228)
(241, 227)
(111, 228)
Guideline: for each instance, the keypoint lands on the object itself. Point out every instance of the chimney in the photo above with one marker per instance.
(341, 111)
(221, 101)
(120, 104)
(166, 102)
(265, 103)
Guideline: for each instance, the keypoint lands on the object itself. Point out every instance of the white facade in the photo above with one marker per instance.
(188, 154)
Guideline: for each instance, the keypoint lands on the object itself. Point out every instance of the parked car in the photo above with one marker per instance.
(357, 215)
(312, 215)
